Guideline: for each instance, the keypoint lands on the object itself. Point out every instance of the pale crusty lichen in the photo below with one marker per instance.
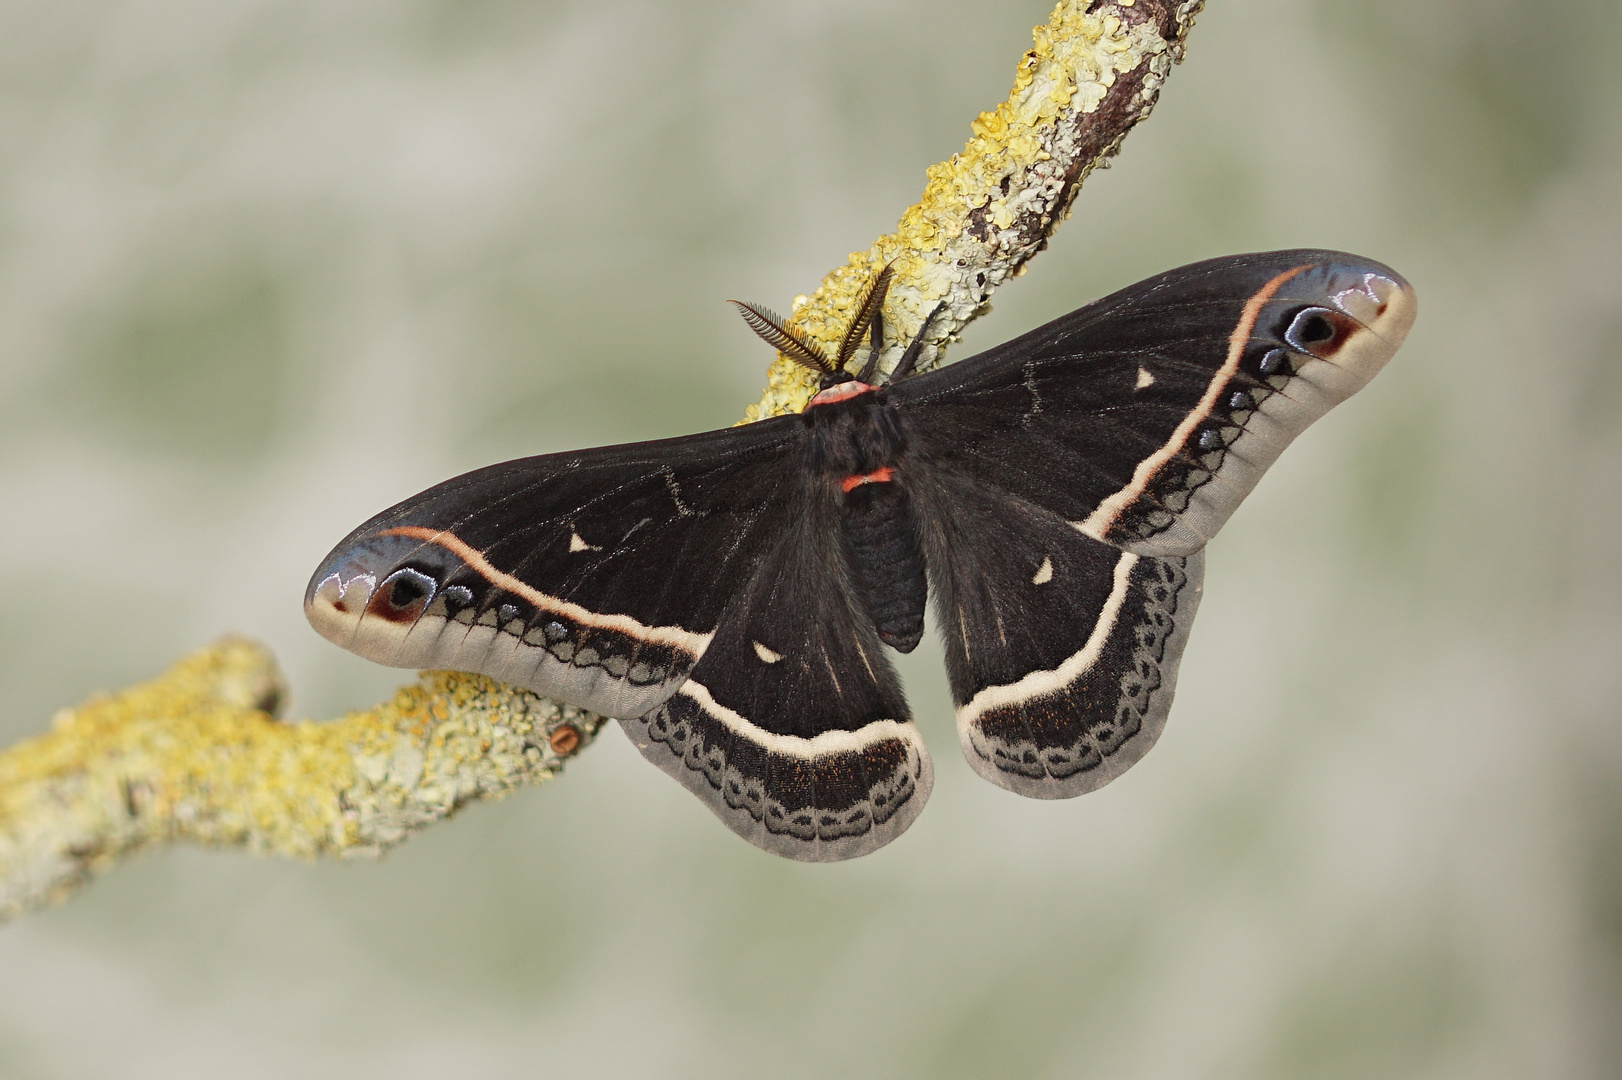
(1094, 71)
(198, 755)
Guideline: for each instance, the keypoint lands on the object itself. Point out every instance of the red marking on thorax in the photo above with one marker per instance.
(841, 392)
(877, 476)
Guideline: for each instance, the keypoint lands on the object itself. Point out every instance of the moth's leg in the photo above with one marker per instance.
(875, 347)
(910, 358)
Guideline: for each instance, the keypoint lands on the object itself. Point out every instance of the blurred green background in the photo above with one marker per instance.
(267, 267)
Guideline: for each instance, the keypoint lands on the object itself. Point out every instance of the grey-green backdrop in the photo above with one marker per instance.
(267, 267)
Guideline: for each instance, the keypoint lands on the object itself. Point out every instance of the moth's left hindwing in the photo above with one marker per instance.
(1062, 651)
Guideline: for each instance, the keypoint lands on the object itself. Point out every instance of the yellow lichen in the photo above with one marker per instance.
(1076, 58)
(196, 755)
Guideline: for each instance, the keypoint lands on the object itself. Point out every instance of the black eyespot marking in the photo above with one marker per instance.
(456, 598)
(1311, 328)
(402, 596)
(555, 631)
(407, 587)
(1319, 331)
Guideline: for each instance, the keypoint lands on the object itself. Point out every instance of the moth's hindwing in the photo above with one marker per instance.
(596, 577)
(1145, 418)
(1062, 651)
(793, 728)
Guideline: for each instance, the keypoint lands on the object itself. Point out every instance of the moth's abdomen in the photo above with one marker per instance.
(886, 562)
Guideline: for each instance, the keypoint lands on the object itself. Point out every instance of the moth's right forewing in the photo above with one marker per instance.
(596, 577)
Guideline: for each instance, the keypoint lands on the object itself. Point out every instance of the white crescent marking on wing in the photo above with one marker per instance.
(828, 742)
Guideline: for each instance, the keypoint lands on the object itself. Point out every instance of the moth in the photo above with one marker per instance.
(729, 596)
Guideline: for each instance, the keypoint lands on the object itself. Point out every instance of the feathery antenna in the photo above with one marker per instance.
(867, 310)
(774, 333)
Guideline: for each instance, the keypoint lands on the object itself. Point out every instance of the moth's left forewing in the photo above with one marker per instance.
(1311, 334)
(1146, 417)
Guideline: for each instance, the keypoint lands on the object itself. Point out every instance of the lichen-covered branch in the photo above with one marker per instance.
(1095, 70)
(198, 754)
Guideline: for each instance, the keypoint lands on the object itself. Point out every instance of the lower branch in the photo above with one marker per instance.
(198, 755)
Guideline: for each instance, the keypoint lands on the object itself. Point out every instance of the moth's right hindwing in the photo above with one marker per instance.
(793, 728)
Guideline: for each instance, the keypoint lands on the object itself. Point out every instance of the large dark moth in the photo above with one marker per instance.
(728, 596)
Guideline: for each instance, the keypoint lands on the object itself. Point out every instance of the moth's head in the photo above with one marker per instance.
(795, 346)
